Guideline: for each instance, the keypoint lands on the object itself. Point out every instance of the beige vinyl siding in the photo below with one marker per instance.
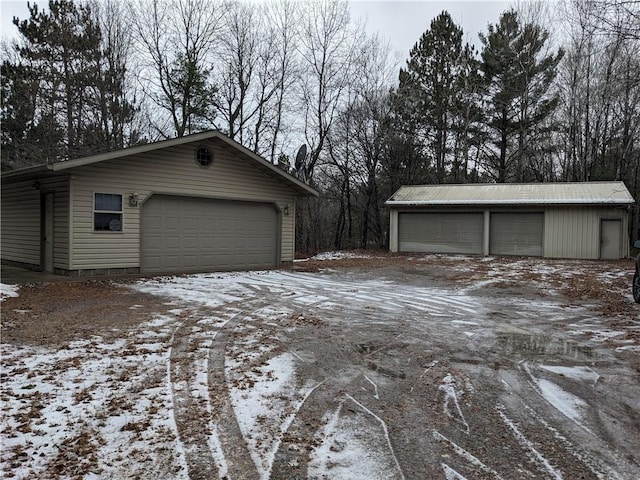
(575, 232)
(60, 186)
(20, 228)
(170, 171)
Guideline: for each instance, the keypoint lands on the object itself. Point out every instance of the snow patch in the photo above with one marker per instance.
(269, 406)
(579, 373)
(7, 291)
(451, 403)
(344, 452)
(567, 403)
(112, 400)
(628, 348)
(338, 255)
(450, 473)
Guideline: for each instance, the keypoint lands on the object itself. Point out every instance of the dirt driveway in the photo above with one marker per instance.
(356, 368)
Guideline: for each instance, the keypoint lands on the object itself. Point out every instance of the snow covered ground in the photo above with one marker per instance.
(7, 291)
(336, 375)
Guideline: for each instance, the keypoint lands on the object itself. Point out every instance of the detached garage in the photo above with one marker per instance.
(555, 220)
(192, 204)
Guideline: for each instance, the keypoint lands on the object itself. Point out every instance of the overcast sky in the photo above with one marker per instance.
(401, 22)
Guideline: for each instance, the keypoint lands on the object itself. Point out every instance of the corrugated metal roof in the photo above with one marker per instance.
(584, 193)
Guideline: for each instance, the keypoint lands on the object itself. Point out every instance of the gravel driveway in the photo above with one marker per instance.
(354, 368)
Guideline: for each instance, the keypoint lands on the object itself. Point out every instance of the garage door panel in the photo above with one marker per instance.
(191, 261)
(440, 232)
(171, 243)
(191, 242)
(183, 234)
(517, 234)
(192, 223)
(171, 261)
(154, 241)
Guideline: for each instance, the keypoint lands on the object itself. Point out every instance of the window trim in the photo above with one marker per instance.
(116, 212)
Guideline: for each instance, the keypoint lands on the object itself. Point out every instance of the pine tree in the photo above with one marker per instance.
(436, 92)
(63, 95)
(22, 138)
(518, 76)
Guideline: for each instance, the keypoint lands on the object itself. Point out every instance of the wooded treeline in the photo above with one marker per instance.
(552, 93)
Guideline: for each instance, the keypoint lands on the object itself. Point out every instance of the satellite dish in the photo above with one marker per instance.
(300, 157)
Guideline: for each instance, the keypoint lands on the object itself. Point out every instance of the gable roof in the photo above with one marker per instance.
(301, 187)
(584, 193)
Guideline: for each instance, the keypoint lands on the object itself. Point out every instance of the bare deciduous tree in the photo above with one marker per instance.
(327, 49)
(178, 37)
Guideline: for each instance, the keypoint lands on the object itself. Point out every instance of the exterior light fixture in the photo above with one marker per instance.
(134, 199)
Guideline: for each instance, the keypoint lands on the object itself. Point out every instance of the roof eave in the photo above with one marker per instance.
(302, 188)
(394, 203)
(27, 171)
(138, 149)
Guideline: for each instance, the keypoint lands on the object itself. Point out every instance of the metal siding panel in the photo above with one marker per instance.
(454, 232)
(574, 232)
(393, 230)
(188, 234)
(518, 233)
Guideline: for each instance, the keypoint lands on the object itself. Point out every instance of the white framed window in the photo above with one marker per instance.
(107, 212)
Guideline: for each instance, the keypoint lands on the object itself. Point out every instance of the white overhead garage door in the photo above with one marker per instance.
(181, 234)
(440, 232)
(516, 234)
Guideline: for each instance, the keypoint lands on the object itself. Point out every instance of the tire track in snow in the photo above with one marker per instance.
(304, 295)
(471, 458)
(312, 291)
(588, 462)
(208, 428)
(386, 433)
(531, 403)
(240, 465)
(297, 443)
(527, 445)
(188, 412)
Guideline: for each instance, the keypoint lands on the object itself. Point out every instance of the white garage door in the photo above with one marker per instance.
(181, 234)
(440, 232)
(516, 234)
